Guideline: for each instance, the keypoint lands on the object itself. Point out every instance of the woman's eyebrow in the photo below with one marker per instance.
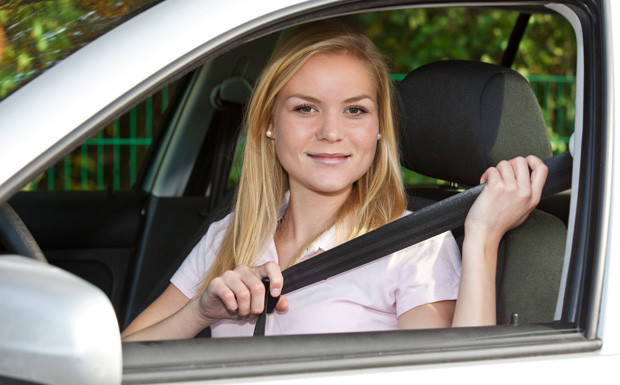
(307, 98)
(312, 99)
(358, 98)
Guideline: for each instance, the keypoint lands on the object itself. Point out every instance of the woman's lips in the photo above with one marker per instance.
(329, 158)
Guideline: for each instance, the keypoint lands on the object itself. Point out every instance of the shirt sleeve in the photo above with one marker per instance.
(424, 273)
(190, 276)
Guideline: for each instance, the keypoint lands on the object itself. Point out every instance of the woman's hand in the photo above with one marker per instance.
(235, 294)
(510, 195)
(240, 293)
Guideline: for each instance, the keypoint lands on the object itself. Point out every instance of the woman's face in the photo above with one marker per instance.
(325, 124)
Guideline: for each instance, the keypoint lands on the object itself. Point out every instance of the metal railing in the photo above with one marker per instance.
(111, 159)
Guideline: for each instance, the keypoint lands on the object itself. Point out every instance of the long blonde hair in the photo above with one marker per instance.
(377, 197)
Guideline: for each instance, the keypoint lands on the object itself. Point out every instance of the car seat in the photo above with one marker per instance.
(457, 119)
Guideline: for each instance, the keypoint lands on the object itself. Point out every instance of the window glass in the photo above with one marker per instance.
(34, 35)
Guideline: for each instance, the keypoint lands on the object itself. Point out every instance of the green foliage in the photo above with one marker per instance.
(36, 40)
(41, 33)
(413, 37)
(549, 47)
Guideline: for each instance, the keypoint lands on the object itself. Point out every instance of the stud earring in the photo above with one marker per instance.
(378, 136)
(269, 133)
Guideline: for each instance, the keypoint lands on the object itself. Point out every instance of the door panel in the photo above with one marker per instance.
(92, 234)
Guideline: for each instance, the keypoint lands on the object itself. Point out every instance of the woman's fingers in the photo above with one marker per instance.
(240, 292)
(522, 174)
(524, 177)
(272, 271)
(282, 304)
(538, 176)
(218, 289)
(248, 289)
(513, 189)
(530, 174)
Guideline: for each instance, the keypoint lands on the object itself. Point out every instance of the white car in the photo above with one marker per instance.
(112, 247)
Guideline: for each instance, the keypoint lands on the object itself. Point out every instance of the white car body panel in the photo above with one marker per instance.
(78, 96)
(32, 339)
(577, 369)
(610, 310)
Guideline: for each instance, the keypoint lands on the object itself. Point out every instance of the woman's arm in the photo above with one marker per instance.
(167, 305)
(233, 295)
(429, 316)
(511, 193)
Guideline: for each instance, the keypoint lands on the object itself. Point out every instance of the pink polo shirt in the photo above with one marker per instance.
(368, 298)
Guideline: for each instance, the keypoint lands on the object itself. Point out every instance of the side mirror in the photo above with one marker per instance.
(55, 328)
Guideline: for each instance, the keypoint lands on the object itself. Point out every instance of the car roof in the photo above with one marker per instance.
(64, 105)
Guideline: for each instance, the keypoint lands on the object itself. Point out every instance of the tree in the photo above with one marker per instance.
(413, 37)
(41, 33)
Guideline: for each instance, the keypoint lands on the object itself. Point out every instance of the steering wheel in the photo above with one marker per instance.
(16, 236)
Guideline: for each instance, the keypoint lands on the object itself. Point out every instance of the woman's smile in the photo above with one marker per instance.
(329, 159)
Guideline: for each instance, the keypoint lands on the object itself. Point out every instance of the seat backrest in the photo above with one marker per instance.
(457, 119)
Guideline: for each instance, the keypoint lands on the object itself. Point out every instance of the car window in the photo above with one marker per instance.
(35, 35)
(112, 159)
(546, 56)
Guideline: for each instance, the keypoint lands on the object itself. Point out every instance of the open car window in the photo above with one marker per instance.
(554, 82)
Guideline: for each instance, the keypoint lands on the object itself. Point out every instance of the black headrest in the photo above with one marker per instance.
(459, 118)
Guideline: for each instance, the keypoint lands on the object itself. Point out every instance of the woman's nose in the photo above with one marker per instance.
(330, 129)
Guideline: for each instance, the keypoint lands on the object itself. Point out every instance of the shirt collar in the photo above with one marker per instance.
(324, 242)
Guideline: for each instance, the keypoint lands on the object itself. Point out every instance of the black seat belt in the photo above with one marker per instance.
(397, 235)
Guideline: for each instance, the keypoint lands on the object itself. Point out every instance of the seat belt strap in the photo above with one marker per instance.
(402, 233)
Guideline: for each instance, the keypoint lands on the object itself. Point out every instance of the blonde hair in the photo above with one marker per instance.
(377, 197)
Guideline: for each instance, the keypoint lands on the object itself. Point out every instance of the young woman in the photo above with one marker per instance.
(321, 167)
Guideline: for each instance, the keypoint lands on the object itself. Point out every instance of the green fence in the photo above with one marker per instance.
(112, 159)
(556, 95)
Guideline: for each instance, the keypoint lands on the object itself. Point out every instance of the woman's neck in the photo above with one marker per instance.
(307, 215)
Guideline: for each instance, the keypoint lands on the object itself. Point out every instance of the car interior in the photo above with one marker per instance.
(461, 117)
(129, 243)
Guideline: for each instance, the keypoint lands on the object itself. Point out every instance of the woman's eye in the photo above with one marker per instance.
(356, 110)
(304, 108)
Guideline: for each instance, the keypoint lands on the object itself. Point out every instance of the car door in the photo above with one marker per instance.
(400, 354)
